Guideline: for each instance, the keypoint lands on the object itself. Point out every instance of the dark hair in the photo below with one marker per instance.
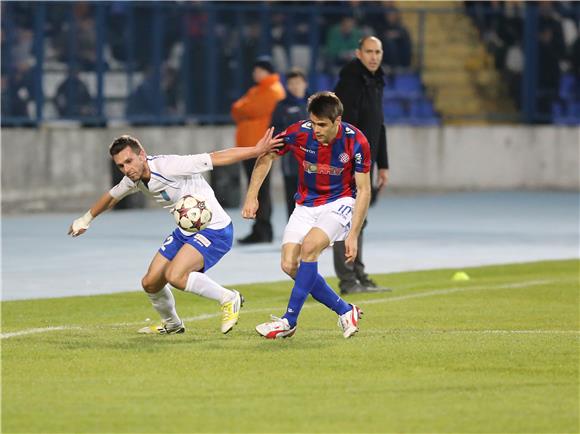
(265, 62)
(122, 142)
(296, 73)
(325, 104)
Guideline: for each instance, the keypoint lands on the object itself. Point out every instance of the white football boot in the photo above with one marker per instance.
(162, 329)
(348, 321)
(231, 312)
(277, 328)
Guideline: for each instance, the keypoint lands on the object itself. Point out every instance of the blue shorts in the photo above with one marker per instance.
(213, 244)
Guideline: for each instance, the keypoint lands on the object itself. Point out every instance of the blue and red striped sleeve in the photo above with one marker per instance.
(290, 136)
(362, 153)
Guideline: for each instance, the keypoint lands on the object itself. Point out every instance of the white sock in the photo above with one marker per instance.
(164, 304)
(200, 284)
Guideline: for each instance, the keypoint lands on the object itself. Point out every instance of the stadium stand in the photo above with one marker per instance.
(445, 61)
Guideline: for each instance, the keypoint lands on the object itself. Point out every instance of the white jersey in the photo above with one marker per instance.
(172, 177)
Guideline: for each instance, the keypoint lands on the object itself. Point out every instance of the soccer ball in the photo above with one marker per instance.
(191, 213)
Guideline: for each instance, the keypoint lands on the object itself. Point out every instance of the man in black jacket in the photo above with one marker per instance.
(360, 88)
(288, 111)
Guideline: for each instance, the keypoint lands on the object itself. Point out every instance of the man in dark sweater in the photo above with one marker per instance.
(360, 88)
(289, 111)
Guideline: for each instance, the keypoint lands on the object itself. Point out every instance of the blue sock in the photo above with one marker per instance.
(305, 278)
(324, 294)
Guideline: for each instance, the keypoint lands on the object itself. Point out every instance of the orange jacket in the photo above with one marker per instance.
(253, 111)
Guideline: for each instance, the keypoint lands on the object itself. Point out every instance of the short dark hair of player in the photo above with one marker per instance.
(325, 104)
(296, 73)
(122, 142)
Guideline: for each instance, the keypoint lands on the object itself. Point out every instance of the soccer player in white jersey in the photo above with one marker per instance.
(183, 257)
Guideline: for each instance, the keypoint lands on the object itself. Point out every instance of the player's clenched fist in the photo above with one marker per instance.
(80, 225)
(250, 208)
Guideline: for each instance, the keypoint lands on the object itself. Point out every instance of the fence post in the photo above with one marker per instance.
(101, 35)
(530, 76)
(39, 18)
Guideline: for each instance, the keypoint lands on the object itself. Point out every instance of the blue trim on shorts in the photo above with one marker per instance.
(213, 244)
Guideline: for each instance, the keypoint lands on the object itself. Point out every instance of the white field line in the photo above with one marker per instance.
(444, 291)
(37, 330)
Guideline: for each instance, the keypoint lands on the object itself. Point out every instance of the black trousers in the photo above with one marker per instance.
(262, 225)
(349, 273)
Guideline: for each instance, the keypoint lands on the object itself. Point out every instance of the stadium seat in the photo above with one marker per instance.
(393, 111)
(558, 116)
(421, 112)
(567, 86)
(324, 82)
(574, 112)
(408, 85)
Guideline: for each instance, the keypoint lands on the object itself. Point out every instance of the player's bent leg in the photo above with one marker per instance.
(290, 258)
(324, 294)
(187, 260)
(314, 243)
(183, 272)
(161, 297)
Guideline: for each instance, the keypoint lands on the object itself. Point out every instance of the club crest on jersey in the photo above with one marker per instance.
(344, 158)
(322, 169)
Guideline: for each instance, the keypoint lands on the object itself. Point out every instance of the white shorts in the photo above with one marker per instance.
(333, 218)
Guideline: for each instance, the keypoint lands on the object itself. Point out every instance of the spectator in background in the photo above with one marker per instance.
(360, 88)
(341, 42)
(144, 98)
(252, 114)
(396, 39)
(17, 90)
(13, 104)
(514, 68)
(289, 111)
(72, 97)
(83, 29)
(151, 97)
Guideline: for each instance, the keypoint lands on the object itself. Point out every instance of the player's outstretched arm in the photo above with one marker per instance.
(80, 225)
(361, 207)
(261, 170)
(229, 156)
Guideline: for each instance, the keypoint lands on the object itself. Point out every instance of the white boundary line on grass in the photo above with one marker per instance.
(443, 291)
(37, 330)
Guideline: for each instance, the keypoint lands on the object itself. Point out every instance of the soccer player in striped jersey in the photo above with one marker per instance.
(331, 205)
(183, 257)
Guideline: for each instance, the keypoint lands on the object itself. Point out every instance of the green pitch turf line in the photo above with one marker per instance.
(435, 293)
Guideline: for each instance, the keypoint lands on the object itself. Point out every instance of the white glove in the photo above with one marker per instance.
(81, 224)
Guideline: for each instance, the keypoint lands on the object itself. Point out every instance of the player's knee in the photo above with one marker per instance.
(149, 285)
(309, 251)
(175, 278)
(289, 267)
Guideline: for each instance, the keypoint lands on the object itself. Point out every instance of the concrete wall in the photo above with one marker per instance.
(65, 168)
(485, 158)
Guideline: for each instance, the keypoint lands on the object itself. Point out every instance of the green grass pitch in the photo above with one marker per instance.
(498, 353)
